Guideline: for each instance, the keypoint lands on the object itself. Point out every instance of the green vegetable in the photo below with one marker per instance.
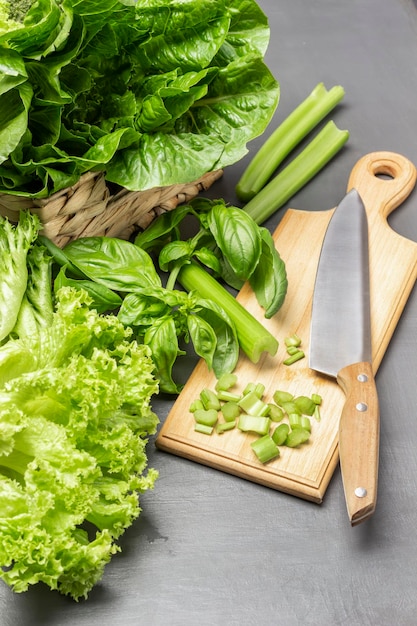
(297, 356)
(152, 93)
(208, 417)
(158, 316)
(253, 337)
(223, 427)
(285, 138)
(252, 404)
(297, 437)
(209, 399)
(230, 411)
(15, 242)
(228, 396)
(73, 449)
(293, 341)
(280, 434)
(254, 424)
(225, 382)
(203, 428)
(228, 242)
(305, 405)
(281, 397)
(265, 448)
(297, 173)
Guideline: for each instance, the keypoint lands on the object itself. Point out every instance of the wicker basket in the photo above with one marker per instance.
(92, 208)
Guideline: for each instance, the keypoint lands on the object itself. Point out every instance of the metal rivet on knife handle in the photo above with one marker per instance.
(360, 492)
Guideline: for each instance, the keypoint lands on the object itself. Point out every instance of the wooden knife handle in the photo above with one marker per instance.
(359, 440)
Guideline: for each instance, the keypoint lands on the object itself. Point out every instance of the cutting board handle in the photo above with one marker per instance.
(384, 180)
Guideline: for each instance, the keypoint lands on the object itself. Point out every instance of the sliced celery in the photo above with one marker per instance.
(225, 382)
(305, 405)
(297, 356)
(207, 417)
(254, 424)
(280, 434)
(253, 337)
(209, 399)
(203, 428)
(297, 173)
(265, 448)
(230, 411)
(253, 405)
(286, 137)
(297, 437)
(222, 427)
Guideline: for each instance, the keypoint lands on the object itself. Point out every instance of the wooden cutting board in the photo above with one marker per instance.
(384, 180)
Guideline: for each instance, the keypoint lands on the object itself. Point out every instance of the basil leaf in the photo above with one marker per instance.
(209, 259)
(237, 236)
(226, 353)
(163, 225)
(163, 342)
(115, 263)
(174, 252)
(203, 338)
(269, 280)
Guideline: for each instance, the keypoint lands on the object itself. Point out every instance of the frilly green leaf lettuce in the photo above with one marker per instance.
(74, 424)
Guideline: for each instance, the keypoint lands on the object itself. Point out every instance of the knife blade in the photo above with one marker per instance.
(341, 347)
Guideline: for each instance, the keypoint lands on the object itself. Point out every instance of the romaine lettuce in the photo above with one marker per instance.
(153, 92)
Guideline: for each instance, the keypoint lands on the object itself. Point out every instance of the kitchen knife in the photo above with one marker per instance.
(340, 346)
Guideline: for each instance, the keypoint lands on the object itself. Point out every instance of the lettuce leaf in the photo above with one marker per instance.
(74, 424)
(153, 92)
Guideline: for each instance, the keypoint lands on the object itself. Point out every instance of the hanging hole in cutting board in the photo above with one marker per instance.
(385, 172)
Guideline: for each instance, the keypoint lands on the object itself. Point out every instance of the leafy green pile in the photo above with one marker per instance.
(75, 416)
(154, 92)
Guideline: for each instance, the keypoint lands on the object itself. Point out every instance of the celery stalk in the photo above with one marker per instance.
(298, 172)
(286, 137)
(253, 337)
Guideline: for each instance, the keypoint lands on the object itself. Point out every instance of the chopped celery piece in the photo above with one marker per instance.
(275, 412)
(303, 119)
(282, 396)
(265, 448)
(249, 387)
(222, 427)
(254, 423)
(206, 416)
(292, 350)
(317, 415)
(297, 173)
(228, 396)
(230, 411)
(297, 437)
(294, 357)
(225, 382)
(253, 405)
(316, 398)
(203, 428)
(294, 420)
(209, 399)
(305, 404)
(280, 434)
(259, 389)
(195, 405)
(305, 423)
(290, 407)
(293, 341)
